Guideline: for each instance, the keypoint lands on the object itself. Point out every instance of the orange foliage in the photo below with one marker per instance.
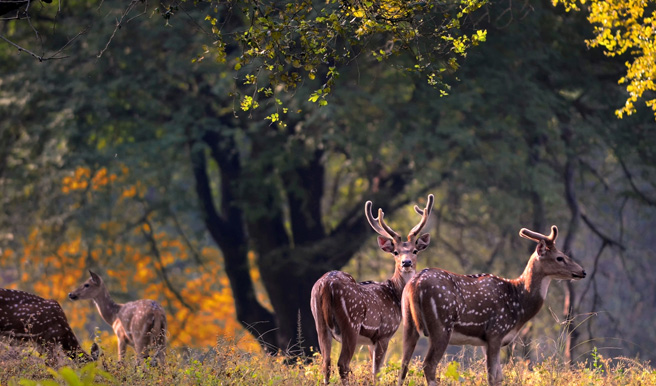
(82, 179)
(206, 291)
(132, 270)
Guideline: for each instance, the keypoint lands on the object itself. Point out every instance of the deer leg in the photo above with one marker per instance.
(325, 345)
(122, 345)
(160, 347)
(438, 345)
(410, 338)
(349, 343)
(378, 356)
(141, 347)
(493, 353)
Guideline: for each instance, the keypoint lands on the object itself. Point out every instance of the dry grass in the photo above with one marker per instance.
(225, 364)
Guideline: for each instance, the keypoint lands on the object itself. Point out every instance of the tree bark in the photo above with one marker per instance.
(227, 230)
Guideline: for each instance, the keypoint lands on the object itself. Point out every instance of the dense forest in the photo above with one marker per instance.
(216, 156)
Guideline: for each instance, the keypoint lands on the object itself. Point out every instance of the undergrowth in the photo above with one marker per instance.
(225, 364)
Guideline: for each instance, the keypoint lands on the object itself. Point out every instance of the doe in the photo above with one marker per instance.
(140, 323)
(25, 317)
(479, 310)
(366, 313)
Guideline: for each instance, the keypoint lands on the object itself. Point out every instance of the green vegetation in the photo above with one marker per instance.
(223, 364)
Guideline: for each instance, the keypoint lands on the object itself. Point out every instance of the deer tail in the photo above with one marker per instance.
(322, 303)
(413, 299)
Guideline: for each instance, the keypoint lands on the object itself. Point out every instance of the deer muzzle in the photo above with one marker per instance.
(72, 296)
(580, 275)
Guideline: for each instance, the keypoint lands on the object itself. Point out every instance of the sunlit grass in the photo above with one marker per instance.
(226, 364)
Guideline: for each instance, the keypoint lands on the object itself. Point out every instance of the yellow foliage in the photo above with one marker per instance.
(623, 27)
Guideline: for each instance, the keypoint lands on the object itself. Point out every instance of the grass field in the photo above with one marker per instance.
(225, 364)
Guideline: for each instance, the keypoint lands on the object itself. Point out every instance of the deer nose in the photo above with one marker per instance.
(580, 276)
(72, 297)
(406, 263)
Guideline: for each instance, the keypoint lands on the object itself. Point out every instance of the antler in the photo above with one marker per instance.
(424, 217)
(378, 224)
(535, 236)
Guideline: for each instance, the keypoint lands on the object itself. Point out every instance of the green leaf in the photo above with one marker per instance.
(452, 371)
(70, 376)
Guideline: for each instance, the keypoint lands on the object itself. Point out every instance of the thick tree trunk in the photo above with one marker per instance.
(227, 230)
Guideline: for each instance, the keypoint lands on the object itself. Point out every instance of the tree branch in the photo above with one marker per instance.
(640, 194)
(600, 234)
(162, 270)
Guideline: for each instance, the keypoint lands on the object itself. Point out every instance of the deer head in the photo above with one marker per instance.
(405, 252)
(550, 260)
(89, 289)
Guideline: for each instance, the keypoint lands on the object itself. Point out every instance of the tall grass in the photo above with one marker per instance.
(226, 364)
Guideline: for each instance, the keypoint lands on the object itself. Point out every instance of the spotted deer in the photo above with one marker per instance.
(25, 317)
(479, 310)
(369, 312)
(140, 323)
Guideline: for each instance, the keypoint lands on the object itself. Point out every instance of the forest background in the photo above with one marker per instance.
(223, 177)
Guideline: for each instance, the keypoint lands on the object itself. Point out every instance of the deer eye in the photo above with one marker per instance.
(415, 251)
(396, 253)
(86, 285)
(560, 258)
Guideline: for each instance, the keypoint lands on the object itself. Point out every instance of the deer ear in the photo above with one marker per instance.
(541, 249)
(385, 244)
(96, 279)
(422, 242)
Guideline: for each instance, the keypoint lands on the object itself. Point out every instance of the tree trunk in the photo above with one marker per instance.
(227, 230)
(571, 335)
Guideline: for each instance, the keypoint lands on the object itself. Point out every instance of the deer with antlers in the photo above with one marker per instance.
(479, 310)
(366, 313)
(140, 323)
(25, 317)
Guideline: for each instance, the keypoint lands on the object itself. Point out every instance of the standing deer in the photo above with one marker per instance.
(140, 323)
(366, 313)
(479, 310)
(25, 317)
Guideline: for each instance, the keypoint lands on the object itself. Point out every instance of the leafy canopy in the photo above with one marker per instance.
(282, 44)
(627, 26)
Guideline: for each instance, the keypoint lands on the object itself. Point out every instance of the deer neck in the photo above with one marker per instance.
(532, 287)
(398, 281)
(106, 306)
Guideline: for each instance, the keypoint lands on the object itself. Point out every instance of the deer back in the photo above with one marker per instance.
(373, 309)
(471, 307)
(141, 318)
(28, 317)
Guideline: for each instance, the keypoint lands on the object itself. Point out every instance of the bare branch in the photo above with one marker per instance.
(162, 271)
(119, 24)
(601, 235)
(22, 49)
(640, 194)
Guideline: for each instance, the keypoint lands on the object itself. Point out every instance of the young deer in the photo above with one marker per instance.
(30, 318)
(369, 312)
(479, 310)
(140, 323)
